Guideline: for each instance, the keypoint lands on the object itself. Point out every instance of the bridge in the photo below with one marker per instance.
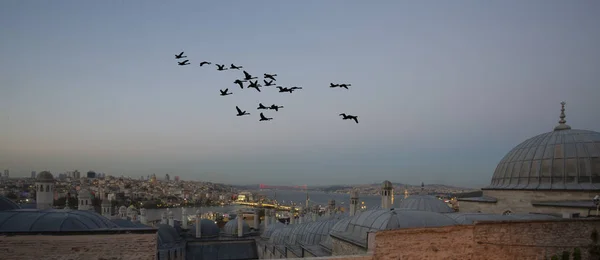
(266, 205)
(273, 187)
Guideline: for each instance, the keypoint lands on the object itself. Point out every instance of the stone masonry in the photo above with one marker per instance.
(75, 247)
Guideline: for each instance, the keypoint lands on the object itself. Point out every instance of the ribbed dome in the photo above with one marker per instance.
(208, 229)
(425, 203)
(558, 160)
(564, 159)
(44, 176)
(231, 228)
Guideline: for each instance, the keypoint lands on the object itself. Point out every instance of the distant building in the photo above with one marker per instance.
(91, 175)
(6, 174)
(33, 174)
(167, 177)
(176, 178)
(76, 174)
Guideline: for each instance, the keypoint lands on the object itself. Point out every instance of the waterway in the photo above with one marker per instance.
(283, 197)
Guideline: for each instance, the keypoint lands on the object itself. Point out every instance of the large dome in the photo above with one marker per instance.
(564, 159)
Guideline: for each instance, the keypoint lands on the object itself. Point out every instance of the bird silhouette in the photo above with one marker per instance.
(183, 63)
(270, 76)
(224, 92)
(220, 67)
(233, 67)
(180, 56)
(284, 89)
(346, 117)
(268, 83)
(261, 106)
(254, 85)
(240, 112)
(240, 83)
(264, 118)
(294, 88)
(204, 63)
(275, 107)
(331, 85)
(344, 86)
(247, 76)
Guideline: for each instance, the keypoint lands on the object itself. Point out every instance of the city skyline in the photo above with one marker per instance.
(442, 90)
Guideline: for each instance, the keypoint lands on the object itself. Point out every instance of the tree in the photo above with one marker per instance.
(12, 196)
(565, 255)
(555, 257)
(594, 248)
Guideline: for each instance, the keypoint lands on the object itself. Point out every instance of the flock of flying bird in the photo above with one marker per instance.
(255, 85)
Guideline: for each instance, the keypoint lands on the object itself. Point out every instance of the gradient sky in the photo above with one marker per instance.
(443, 89)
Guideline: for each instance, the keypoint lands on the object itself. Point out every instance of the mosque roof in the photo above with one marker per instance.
(53, 220)
(316, 232)
(124, 223)
(208, 229)
(167, 236)
(7, 204)
(469, 218)
(425, 203)
(279, 236)
(231, 228)
(271, 228)
(387, 219)
(563, 159)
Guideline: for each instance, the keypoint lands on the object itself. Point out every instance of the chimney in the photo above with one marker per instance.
(315, 213)
(292, 217)
(353, 202)
(198, 226)
(256, 219)
(240, 223)
(163, 217)
(171, 220)
(300, 215)
(184, 219)
(267, 213)
(143, 218)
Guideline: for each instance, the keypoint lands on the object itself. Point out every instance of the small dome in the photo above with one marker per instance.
(425, 203)
(279, 236)
(387, 185)
(564, 159)
(316, 232)
(271, 228)
(231, 228)
(359, 225)
(105, 202)
(53, 220)
(354, 194)
(208, 229)
(7, 204)
(84, 193)
(167, 235)
(44, 176)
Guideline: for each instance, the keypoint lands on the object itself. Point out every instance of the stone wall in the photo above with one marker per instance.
(520, 202)
(340, 247)
(84, 247)
(487, 240)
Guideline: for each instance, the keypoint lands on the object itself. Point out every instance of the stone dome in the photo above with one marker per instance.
(231, 228)
(208, 229)
(44, 176)
(425, 203)
(564, 159)
(387, 185)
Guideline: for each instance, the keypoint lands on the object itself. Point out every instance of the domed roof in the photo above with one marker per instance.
(425, 203)
(208, 229)
(387, 185)
(279, 236)
(44, 176)
(52, 220)
(231, 228)
(389, 219)
(564, 159)
(316, 232)
(271, 228)
(167, 235)
(7, 204)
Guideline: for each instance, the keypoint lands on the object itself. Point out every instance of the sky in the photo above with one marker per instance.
(442, 89)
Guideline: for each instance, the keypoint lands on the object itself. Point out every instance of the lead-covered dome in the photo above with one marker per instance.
(564, 159)
(44, 176)
(425, 203)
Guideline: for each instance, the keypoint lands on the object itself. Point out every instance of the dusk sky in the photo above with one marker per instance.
(442, 89)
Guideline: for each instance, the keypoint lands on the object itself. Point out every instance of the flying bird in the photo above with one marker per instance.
(233, 67)
(294, 88)
(346, 117)
(224, 92)
(204, 63)
(268, 83)
(344, 86)
(180, 56)
(270, 76)
(185, 62)
(263, 118)
(331, 85)
(240, 83)
(220, 67)
(254, 85)
(284, 89)
(247, 76)
(275, 107)
(261, 106)
(240, 112)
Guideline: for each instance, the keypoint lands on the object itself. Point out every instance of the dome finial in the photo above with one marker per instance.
(562, 123)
